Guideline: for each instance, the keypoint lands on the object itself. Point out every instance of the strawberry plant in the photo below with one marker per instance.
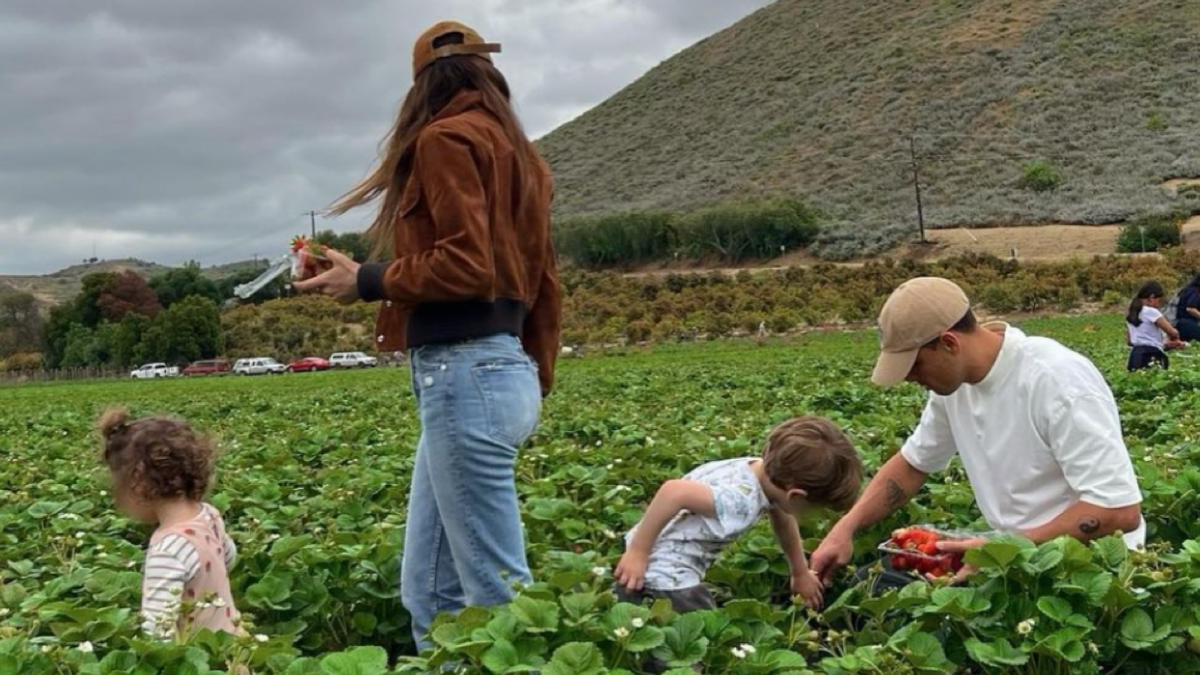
(314, 483)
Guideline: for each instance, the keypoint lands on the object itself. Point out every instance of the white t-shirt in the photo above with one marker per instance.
(1146, 334)
(1038, 434)
(690, 543)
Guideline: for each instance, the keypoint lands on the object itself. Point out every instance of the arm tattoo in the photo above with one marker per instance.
(1089, 526)
(896, 496)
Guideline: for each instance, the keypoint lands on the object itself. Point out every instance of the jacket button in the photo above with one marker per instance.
(387, 303)
(379, 339)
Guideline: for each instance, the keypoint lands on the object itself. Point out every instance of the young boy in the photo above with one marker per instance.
(807, 460)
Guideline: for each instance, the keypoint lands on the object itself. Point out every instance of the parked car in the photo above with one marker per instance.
(152, 371)
(310, 364)
(213, 367)
(353, 360)
(259, 366)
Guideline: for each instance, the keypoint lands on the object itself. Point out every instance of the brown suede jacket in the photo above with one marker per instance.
(473, 249)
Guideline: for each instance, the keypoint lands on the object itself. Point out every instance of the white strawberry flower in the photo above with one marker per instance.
(739, 653)
(86, 647)
(621, 633)
(749, 648)
(638, 623)
(261, 638)
(1026, 626)
(600, 571)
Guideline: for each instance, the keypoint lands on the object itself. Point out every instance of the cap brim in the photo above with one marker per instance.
(892, 368)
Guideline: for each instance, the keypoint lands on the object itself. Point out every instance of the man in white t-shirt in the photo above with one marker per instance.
(1034, 423)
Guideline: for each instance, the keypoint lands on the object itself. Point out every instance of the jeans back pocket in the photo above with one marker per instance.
(512, 399)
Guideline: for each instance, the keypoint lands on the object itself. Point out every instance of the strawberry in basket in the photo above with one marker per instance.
(310, 258)
(915, 548)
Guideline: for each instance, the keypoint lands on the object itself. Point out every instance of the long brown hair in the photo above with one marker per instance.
(433, 88)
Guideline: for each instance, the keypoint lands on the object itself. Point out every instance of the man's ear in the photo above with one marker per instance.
(951, 342)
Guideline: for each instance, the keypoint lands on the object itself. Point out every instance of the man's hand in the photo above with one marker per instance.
(808, 586)
(833, 554)
(961, 546)
(631, 571)
(339, 282)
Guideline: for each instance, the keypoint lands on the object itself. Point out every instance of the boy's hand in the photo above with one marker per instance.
(808, 586)
(631, 571)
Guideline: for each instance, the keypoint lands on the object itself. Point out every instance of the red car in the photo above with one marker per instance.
(308, 365)
(214, 367)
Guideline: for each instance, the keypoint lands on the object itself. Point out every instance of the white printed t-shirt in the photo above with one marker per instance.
(1038, 434)
(1147, 333)
(690, 543)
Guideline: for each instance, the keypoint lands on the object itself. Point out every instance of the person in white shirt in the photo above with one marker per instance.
(1147, 330)
(1034, 423)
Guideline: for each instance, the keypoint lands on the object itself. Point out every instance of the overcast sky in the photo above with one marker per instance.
(202, 129)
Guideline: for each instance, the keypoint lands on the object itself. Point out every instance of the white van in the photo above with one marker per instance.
(259, 366)
(352, 360)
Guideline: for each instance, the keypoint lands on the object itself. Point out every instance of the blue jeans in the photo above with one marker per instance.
(463, 545)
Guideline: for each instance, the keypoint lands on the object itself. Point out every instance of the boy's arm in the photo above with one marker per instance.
(803, 582)
(787, 532)
(674, 496)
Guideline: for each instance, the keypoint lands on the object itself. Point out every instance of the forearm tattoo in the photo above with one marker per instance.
(1089, 525)
(896, 496)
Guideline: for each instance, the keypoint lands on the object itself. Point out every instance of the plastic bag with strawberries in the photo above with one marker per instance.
(915, 549)
(309, 258)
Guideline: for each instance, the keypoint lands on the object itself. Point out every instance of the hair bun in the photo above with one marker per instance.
(114, 420)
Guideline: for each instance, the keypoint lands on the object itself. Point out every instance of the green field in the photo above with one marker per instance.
(313, 483)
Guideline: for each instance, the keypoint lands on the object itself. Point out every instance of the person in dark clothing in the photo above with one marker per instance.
(1187, 311)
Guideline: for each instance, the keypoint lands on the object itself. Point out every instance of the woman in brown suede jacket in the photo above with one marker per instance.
(472, 292)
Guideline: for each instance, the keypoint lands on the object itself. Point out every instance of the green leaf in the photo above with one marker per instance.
(271, 592)
(304, 666)
(683, 642)
(644, 639)
(364, 623)
(926, 651)
(998, 653)
(501, 657)
(1138, 630)
(999, 553)
(356, 661)
(1055, 608)
(1112, 550)
(575, 658)
(535, 616)
(959, 602)
(577, 606)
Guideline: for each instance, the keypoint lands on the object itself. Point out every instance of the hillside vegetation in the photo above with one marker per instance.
(1021, 112)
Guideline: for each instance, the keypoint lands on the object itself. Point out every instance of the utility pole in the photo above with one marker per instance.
(312, 219)
(912, 149)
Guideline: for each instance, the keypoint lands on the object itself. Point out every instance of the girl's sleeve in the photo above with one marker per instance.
(170, 564)
(230, 552)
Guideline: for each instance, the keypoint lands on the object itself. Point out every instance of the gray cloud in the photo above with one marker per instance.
(201, 129)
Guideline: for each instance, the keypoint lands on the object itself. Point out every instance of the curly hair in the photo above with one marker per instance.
(160, 457)
(813, 454)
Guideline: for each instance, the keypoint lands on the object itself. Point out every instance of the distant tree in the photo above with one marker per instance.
(188, 330)
(21, 323)
(128, 293)
(87, 303)
(174, 285)
(353, 244)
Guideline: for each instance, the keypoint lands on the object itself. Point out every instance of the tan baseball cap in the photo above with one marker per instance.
(914, 315)
(424, 52)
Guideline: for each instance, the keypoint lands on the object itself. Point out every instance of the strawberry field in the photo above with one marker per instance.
(313, 484)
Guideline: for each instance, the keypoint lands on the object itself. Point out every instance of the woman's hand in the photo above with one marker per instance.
(339, 282)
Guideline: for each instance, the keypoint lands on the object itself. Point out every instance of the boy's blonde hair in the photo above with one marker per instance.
(813, 454)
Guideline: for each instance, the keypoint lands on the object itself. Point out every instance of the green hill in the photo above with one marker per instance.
(818, 99)
(61, 286)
